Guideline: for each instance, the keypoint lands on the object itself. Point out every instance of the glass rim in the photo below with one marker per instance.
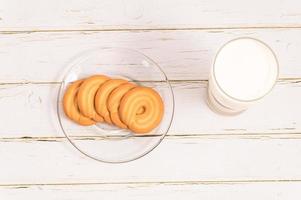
(235, 98)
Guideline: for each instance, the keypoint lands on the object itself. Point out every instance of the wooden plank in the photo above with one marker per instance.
(29, 110)
(226, 191)
(185, 159)
(118, 14)
(183, 55)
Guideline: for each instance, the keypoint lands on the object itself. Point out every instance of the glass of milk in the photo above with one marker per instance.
(244, 71)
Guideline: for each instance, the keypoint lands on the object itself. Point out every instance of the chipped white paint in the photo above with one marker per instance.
(175, 159)
(255, 155)
(184, 55)
(155, 14)
(39, 102)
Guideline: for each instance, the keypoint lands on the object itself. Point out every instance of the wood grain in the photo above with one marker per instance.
(194, 191)
(152, 14)
(183, 55)
(29, 110)
(181, 159)
(254, 155)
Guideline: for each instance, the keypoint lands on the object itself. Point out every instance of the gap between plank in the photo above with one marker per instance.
(289, 80)
(178, 136)
(201, 182)
(34, 29)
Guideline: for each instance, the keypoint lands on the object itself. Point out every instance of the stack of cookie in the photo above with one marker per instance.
(115, 101)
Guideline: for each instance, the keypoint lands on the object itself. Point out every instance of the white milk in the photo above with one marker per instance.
(244, 71)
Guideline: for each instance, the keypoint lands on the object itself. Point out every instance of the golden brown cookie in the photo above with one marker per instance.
(102, 95)
(141, 109)
(114, 101)
(86, 96)
(71, 107)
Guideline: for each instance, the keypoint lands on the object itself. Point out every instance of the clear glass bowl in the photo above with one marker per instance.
(104, 142)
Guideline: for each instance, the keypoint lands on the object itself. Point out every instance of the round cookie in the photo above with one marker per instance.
(86, 95)
(102, 95)
(114, 101)
(71, 107)
(141, 109)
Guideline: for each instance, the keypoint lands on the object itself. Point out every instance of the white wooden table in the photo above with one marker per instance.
(256, 155)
